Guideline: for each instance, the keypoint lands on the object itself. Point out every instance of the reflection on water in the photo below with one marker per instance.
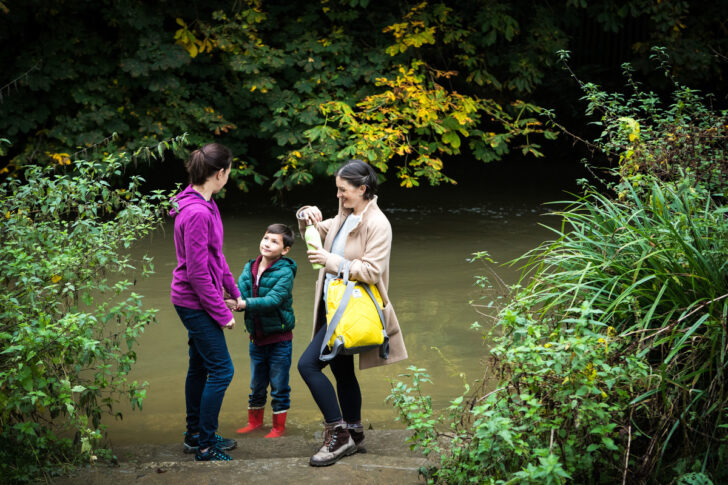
(431, 285)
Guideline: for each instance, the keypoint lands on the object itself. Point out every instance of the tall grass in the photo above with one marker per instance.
(654, 267)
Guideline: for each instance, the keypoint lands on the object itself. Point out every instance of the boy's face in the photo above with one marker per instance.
(271, 246)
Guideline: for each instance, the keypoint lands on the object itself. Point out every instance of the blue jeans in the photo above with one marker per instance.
(209, 374)
(270, 364)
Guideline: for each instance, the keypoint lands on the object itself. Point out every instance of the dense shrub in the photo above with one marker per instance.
(610, 356)
(68, 316)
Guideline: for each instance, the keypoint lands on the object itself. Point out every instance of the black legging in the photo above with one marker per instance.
(347, 386)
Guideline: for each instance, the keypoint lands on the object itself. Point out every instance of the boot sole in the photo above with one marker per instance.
(188, 449)
(348, 452)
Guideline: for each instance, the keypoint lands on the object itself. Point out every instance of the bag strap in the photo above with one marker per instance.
(335, 320)
(376, 305)
(384, 348)
(344, 270)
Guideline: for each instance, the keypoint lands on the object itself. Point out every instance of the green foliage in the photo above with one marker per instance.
(610, 355)
(258, 78)
(646, 138)
(554, 420)
(102, 69)
(69, 317)
(415, 122)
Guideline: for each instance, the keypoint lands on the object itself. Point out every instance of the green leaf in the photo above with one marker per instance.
(452, 139)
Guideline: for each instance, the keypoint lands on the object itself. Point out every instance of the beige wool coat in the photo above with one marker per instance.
(368, 249)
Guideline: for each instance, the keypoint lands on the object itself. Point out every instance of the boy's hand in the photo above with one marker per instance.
(231, 304)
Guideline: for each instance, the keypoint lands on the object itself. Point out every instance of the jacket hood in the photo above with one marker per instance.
(288, 262)
(186, 198)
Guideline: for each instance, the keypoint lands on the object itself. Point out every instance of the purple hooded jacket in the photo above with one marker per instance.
(201, 272)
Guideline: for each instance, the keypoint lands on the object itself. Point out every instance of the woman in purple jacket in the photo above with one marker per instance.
(198, 284)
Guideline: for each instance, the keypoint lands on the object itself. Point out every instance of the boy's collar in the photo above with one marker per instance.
(259, 260)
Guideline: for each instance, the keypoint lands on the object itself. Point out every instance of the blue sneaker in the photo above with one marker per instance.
(213, 453)
(192, 443)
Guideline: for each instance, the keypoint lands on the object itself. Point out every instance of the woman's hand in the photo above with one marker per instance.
(311, 215)
(229, 325)
(318, 255)
(240, 305)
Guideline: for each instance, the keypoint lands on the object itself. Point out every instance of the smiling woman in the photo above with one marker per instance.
(361, 236)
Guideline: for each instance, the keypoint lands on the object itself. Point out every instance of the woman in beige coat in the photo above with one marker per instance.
(360, 234)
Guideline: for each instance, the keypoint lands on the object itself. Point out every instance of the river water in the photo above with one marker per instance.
(431, 287)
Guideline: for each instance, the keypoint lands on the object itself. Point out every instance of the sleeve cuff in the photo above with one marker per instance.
(333, 262)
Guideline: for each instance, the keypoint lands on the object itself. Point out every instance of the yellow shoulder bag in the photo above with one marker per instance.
(354, 316)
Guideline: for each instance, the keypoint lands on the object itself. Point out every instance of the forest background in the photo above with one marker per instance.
(296, 87)
(101, 100)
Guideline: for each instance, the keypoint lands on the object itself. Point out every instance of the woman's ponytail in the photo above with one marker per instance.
(205, 161)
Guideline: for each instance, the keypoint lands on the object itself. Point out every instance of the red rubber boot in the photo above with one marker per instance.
(255, 420)
(279, 424)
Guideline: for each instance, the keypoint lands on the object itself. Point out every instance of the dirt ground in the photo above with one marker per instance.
(257, 460)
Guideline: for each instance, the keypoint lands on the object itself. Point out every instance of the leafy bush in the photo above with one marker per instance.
(68, 316)
(687, 138)
(610, 355)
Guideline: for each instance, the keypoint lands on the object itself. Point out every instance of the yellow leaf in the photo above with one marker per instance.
(55, 278)
(7, 215)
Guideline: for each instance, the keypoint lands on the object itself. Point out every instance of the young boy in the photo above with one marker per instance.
(266, 287)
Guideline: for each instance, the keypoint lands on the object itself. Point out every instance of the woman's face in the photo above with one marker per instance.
(351, 197)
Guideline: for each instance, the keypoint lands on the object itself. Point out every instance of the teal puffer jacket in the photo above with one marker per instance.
(273, 307)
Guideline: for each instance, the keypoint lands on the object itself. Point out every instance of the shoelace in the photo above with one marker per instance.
(219, 454)
(334, 436)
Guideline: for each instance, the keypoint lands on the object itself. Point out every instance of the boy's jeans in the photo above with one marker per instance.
(270, 364)
(209, 374)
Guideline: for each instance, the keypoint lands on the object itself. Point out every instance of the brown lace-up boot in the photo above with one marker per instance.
(337, 444)
(356, 431)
